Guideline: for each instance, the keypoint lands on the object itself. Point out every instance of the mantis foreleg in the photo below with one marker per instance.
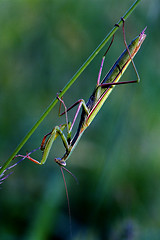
(46, 147)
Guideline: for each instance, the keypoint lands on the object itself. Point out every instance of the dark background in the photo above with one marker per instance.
(117, 161)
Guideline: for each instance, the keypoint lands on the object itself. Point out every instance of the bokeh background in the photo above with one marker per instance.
(117, 161)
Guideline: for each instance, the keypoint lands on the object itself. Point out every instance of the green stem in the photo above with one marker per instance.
(68, 85)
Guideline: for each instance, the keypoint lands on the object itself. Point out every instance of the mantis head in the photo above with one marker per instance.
(60, 162)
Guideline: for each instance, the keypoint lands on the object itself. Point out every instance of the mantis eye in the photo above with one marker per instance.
(60, 162)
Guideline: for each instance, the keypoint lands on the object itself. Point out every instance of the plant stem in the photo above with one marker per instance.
(68, 85)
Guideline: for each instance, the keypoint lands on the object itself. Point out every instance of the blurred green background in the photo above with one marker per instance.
(117, 161)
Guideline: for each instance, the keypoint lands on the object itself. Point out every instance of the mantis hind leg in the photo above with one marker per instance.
(105, 85)
(126, 45)
(103, 58)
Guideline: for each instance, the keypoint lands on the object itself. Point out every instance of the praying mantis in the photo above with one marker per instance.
(91, 108)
